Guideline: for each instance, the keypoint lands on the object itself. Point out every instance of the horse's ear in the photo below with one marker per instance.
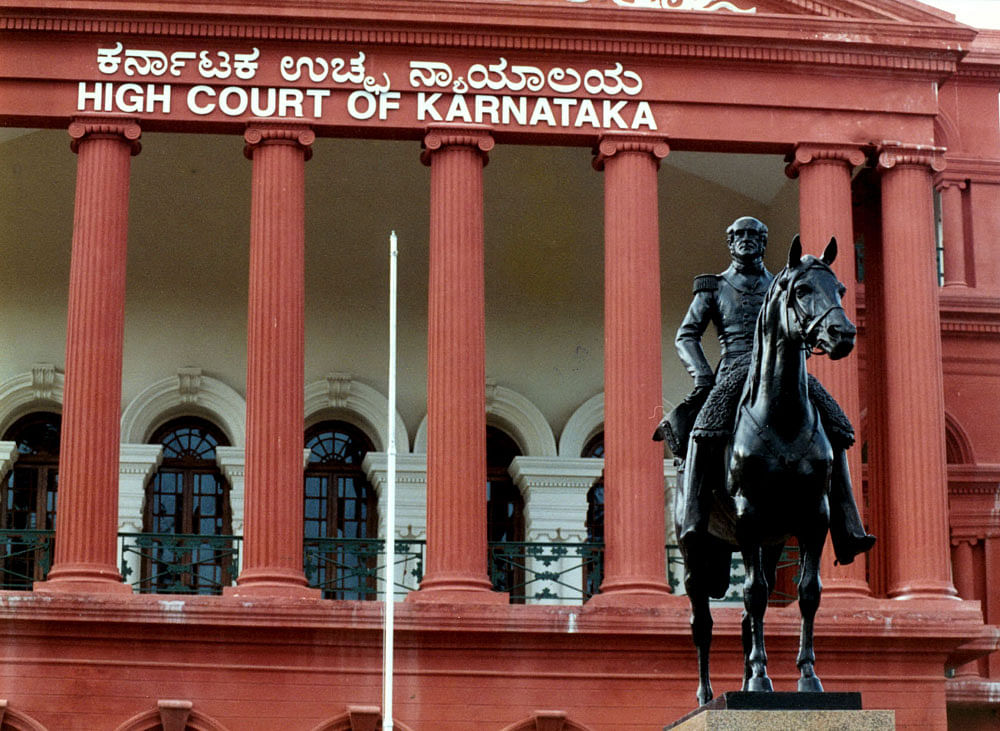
(795, 252)
(831, 251)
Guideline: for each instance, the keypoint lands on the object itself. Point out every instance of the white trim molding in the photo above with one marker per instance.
(411, 505)
(513, 413)
(341, 396)
(587, 421)
(136, 463)
(189, 393)
(41, 389)
(555, 511)
(555, 495)
(411, 491)
(8, 456)
(232, 463)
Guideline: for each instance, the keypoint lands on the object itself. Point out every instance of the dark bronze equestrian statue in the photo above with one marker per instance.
(762, 444)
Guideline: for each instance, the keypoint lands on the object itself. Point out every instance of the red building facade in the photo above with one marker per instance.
(873, 105)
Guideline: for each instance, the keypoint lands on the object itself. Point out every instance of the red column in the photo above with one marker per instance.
(86, 523)
(824, 173)
(953, 223)
(456, 371)
(916, 479)
(965, 583)
(273, 531)
(634, 527)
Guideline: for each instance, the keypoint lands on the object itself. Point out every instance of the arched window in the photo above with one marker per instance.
(341, 513)
(593, 569)
(504, 515)
(187, 501)
(28, 505)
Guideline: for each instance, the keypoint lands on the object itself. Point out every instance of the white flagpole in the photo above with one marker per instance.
(390, 503)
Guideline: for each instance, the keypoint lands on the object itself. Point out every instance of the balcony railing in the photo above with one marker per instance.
(25, 557)
(354, 568)
(171, 563)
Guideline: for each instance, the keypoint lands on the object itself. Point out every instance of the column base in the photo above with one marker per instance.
(925, 590)
(460, 589)
(845, 589)
(83, 579)
(272, 583)
(636, 594)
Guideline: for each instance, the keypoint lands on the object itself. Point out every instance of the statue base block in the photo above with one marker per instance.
(742, 711)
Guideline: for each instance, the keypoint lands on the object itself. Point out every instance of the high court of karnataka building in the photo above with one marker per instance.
(196, 205)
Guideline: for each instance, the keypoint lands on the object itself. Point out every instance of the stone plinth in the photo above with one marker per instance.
(742, 711)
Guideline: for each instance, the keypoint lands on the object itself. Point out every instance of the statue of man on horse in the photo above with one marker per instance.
(762, 444)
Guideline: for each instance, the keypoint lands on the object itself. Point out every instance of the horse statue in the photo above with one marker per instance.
(778, 470)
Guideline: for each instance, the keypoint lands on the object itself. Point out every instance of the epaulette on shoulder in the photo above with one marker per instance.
(706, 283)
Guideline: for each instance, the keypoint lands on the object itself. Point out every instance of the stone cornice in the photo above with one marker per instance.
(961, 168)
(983, 59)
(875, 624)
(763, 38)
(973, 490)
(963, 311)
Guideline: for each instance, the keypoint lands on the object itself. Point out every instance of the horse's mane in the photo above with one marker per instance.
(757, 352)
(779, 284)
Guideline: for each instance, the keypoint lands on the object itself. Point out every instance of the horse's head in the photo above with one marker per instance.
(814, 315)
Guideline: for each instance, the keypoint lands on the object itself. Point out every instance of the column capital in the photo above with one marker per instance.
(891, 154)
(942, 181)
(810, 152)
(479, 138)
(124, 128)
(279, 133)
(610, 144)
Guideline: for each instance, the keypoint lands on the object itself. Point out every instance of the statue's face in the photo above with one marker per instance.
(747, 241)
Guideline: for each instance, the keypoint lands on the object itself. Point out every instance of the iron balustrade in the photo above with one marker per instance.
(176, 563)
(354, 568)
(25, 557)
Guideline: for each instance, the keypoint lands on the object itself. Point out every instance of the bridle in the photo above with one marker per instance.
(807, 327)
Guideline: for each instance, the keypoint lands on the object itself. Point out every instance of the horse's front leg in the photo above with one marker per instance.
(810, 589)
(695, 553)
(701, 631)
(755, 591)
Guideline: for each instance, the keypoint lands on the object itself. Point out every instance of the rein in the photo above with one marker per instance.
(809, 330)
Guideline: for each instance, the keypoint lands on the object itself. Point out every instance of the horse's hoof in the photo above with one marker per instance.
(810, 684)
(760, 685)
(704, 696)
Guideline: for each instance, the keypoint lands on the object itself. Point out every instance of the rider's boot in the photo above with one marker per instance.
(847, 532)
(702, 458)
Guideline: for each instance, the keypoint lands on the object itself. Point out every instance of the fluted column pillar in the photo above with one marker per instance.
(634, 520)
(87, 520)
(456, 371)
(965, 582)
(953, 225)
(916, 479)
(273, 500)
(824, 173)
